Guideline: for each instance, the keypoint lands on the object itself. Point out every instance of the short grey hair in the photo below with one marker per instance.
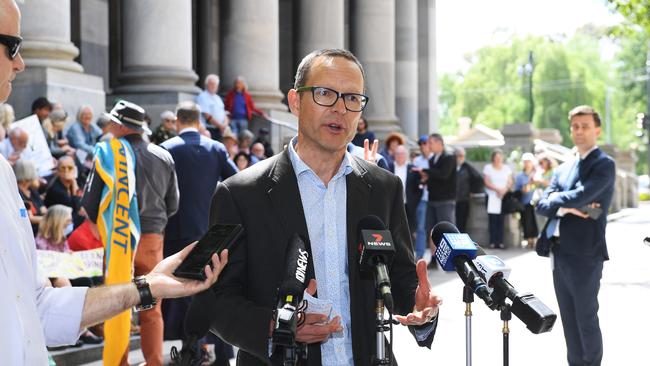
(25, 170)
(214, 77)
(187, 112)
(459, 150)
(82, 108)
(308, 61)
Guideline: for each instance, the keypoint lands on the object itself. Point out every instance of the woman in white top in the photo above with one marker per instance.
(498, 180)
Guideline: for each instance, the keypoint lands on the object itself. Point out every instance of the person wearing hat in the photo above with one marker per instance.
(157, 195)
(525, 183)
(167, 128)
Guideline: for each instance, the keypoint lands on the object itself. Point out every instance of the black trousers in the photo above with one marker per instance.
(462, 213)
(577, 282)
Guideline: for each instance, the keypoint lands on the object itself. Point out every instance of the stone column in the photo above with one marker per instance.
(250, 48)
(320, 26)
(427, 76)
(156, 55)
(373, 42)
(406, 33)
(49, 59)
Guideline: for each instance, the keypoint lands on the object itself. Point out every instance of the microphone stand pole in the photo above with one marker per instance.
(468, 299)
(380, 357)
(506, 315)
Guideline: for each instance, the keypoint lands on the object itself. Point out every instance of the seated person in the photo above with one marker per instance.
(52, 231)
(64, 189)
(55, 140)
(83, 134)
(28, 184)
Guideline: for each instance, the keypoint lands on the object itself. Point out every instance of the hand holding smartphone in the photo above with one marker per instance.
(218, 238)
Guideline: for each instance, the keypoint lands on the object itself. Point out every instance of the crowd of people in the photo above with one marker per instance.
(453, 180)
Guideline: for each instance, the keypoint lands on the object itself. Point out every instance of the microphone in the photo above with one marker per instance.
(290, 292)
(528, 308)
(196, 325)
(376, 253)
(454, 252)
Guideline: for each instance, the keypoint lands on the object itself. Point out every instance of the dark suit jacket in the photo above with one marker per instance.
(594, 182)
(413, 195)
(200, 163)
(442, 178)
(265, 199)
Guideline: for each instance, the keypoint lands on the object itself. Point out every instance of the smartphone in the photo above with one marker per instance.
(218, 238)
(593, 212)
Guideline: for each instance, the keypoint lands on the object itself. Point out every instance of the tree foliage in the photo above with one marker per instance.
(567, 72)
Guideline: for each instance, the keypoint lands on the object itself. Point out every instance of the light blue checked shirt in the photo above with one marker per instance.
(326, 217)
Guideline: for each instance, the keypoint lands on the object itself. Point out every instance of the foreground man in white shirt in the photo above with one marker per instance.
(33, 315)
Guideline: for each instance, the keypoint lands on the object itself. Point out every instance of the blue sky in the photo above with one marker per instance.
(464, 26)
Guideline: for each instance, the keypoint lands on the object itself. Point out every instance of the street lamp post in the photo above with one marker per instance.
(527, 71)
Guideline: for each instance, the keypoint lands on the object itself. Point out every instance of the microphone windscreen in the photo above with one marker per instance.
(370, 222)
(443, 227)
(295, 277)
(199, 314)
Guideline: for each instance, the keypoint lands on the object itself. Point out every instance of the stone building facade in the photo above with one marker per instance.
(157, 52)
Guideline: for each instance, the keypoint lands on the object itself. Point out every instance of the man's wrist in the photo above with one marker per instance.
(147, 299)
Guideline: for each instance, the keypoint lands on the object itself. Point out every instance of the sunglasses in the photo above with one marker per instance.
(12, 43)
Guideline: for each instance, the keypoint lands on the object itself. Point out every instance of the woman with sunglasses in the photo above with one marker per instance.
(64, 189)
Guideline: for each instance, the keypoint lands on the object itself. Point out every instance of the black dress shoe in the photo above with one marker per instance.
(89, 338)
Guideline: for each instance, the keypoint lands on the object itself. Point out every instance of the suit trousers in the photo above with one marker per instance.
(577, 282)
(421, 238)
(462, 213)
(148, 254)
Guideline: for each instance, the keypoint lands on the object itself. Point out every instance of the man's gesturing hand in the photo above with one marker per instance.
(370, 153)
(426, 302)
(316, 328)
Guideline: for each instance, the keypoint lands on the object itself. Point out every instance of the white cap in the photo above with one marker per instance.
(528, 156)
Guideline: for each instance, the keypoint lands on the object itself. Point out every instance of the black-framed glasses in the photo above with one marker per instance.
(327, 97)
(12, 43)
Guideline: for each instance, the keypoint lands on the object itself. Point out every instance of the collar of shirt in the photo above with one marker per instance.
(583, 156)
(300, 167)
(188, 129)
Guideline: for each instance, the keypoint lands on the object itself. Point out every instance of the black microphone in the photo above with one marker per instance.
(197, 323)
(290, 292)
(377, 251)
(455, 251)
(528, 308)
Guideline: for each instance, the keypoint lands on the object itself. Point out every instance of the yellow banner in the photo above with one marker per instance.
(117, 245)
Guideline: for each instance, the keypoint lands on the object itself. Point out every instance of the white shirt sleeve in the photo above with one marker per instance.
(60, 312)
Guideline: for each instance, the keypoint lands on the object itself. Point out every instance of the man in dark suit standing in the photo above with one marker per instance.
(579, 248)
(441, 184)
(200, 163)
(315, 188)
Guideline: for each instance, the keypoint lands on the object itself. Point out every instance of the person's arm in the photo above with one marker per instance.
(104, 302)
(92, 194)
(172, 196)
(553, 186)
(227, 169)
(601, 177)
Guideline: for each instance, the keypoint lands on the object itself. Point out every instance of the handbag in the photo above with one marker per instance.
(544, 244)
(510, 203)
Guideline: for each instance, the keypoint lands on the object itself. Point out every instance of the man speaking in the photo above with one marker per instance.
(316, 189)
